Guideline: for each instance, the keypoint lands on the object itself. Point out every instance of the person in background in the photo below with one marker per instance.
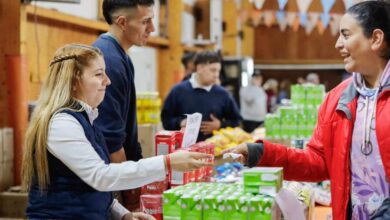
(350, 144)
(188, 62)
(313, 78)
(201, 94)
(301, 80)
(130, 23)
(284, 90)
(253, 102)
(66, 165)
(271, 89)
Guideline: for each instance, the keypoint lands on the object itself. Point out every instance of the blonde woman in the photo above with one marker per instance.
(66, 165)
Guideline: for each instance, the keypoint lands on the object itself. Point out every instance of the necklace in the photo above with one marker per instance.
(366, 147)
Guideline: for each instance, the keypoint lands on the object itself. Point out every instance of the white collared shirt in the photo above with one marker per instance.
(68, 143)
(195, 84)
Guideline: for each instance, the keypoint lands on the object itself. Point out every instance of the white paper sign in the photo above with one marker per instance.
(192, 129)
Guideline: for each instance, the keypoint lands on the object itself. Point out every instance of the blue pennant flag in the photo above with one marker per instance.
(303, 19)
(325, 18)
(327, 5)
(282, 4)
(280, 16)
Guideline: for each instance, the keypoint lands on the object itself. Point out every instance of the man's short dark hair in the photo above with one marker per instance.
(111, 6)
(207, 56)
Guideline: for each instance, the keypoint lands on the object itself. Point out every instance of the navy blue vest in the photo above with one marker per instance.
(67, 196)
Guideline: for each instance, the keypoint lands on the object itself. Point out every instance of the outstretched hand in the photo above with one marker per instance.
(142, 216)
(188, 161)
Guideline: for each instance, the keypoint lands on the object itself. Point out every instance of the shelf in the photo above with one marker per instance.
(82, 22)
(66, 18)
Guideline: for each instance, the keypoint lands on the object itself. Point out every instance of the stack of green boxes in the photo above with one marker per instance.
(263, 180)
(216, 201)
(296, 121)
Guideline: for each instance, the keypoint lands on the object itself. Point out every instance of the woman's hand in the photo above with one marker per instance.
(187, 161)
(242, 150)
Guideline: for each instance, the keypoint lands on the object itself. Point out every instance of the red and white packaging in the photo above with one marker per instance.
(152, 205)
(155, 188)
(165, 142)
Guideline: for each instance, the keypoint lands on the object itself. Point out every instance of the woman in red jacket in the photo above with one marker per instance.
(351, 142)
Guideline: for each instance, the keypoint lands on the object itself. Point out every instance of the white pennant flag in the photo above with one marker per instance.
(335, 24)
(290, 18)
(312, 21)
(268, 17)
(303, 5)
(259, 4)
(282, 21)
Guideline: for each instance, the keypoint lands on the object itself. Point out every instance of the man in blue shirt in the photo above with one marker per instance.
(201, 94)
(130, 24)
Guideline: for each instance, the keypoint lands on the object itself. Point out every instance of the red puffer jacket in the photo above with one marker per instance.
(327, 155)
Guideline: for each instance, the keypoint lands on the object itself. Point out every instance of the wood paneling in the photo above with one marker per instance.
(202, 18)
(169, 70)
(10, 45)
(229, 42)
(45, 36)
(294, 47)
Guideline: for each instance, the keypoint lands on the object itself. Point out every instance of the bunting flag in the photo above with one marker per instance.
(303, 19)
(256, 17)
(327, 5)
(259, 4)
(312, 21)
(281, 19)
(303, 5)
(296, 24)
(242, 15)
(325, 18)
(290, 18)
(268, 18)
(282, 4)
(335, 24)
(347, 3)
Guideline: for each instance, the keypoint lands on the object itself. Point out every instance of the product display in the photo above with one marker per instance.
(148, 108)
(217, 201)
(226, 138)
(298, 120)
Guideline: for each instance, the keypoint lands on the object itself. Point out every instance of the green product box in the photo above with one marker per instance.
(191, 207)
(268, 180)
(236, 208)
(214, 207)
(171, 203)
(272, 126)
(258, 208)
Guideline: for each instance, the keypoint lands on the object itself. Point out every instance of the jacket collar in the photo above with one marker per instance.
(346, 97)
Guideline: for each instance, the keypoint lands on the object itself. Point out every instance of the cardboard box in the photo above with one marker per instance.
(146, 134)
(6, 159)
(13, 205)
(263, 180)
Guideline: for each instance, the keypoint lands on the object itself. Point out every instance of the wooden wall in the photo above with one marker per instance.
(273, 46)
(10, 45)
(45, 36)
